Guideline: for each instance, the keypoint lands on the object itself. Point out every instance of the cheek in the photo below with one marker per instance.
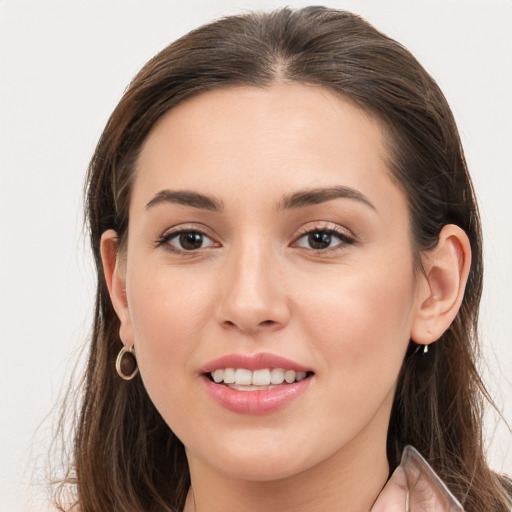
(167, 305)
(358, 328)
(168, 315)
(360, 323)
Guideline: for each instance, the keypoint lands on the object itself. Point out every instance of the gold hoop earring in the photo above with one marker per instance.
(126, 363)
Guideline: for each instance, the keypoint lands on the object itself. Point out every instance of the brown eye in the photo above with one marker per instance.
(323, 240)
(319, 240)
(191, 240)
(187, 241)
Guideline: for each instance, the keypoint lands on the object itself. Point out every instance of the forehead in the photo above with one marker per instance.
(250, 141)
(293, 112)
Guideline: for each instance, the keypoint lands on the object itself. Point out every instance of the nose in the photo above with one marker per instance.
(253, 292)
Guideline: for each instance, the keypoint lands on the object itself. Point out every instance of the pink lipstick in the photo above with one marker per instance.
(255, 362)
(258, 384)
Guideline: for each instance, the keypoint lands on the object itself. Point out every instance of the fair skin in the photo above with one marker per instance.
(325, 280)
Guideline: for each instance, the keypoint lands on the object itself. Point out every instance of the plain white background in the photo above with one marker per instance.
(63, 67)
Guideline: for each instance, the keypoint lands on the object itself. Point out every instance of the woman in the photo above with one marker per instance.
(289, 271)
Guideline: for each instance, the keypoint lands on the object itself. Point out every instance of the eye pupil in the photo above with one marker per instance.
(319, 239)
(191, 240)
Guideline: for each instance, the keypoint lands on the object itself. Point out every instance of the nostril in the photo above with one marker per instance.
(248, 325)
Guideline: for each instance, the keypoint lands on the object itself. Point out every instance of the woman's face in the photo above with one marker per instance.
(266, 234)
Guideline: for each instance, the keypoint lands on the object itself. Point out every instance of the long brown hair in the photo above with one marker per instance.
(125, 456)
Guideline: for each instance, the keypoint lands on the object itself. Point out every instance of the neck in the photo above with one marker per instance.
(350, 480)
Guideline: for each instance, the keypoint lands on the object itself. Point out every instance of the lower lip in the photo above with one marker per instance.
(255, 402)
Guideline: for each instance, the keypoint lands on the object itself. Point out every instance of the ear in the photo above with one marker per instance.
(446, 270)
(114, 269)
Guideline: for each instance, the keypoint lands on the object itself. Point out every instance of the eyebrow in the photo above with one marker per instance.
(299, 199)
(314, 196)
(186, 198)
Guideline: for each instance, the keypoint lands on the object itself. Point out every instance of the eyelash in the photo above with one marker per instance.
(165, 239)
(330, 230)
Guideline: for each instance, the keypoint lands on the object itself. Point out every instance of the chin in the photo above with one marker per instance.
(262, 462)
(263, 469)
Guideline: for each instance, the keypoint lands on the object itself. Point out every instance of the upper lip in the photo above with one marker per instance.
(253, 362)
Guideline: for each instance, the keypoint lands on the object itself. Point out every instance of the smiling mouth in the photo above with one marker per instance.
(242, 379)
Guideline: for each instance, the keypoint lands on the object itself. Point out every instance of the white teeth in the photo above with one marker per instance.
(218, 376)
(289, 376)
(243, 377)
(261, 377)
(298, 376)
(277, 376)
(229, 376)
(253, 379)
